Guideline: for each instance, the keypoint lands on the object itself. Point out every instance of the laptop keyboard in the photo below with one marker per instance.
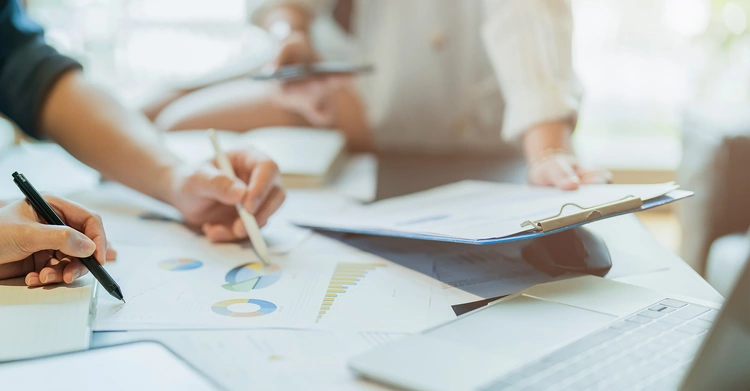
(650, 350)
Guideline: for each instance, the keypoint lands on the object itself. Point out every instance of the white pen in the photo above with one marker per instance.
(248, 220)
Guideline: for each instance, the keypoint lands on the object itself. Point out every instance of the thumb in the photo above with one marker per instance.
(213, 184)
(65, 239)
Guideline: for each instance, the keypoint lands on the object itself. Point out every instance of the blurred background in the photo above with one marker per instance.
(642, 62)
(644, 65)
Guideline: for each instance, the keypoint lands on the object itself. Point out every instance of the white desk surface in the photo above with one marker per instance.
(330, 372)
(227, 355)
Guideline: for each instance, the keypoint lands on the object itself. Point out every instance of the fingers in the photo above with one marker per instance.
(83, 220)
(218, 232)
(264, 179)
(594, 176)
(73, 270)
(56, 271)
(270, 206)
(563, 174)
(64, 239)
(229, 232)
(211, 183)
(32, 279)
(312, 98)
(111, 254)
(52, 274)
(557, 171)
(48, 275)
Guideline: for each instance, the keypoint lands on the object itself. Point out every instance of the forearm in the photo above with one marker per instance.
(98, 131)
(542, 139)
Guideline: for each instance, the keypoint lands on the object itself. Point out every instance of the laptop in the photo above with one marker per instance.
(585, 333)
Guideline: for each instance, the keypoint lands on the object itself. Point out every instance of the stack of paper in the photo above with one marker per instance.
(42, 321)
(478, 212)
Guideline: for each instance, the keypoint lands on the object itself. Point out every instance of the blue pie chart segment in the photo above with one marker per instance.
(249, 276)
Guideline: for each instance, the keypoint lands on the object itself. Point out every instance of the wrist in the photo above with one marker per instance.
(279, 21)
(171, 180)
(282, 31)
(547, 139)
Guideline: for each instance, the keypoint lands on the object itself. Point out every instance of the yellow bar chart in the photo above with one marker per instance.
(346, 275)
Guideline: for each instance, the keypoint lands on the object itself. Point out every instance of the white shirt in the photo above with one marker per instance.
(455, 74)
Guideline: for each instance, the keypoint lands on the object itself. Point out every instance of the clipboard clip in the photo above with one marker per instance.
(557, 221)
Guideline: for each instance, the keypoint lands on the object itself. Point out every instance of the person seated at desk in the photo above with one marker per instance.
(448, 77)
(46, 95)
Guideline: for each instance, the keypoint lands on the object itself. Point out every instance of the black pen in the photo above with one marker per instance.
(43, 209)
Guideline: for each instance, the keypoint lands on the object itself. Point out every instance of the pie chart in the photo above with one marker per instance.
(264, 308)
(180, 264)
(253, 275)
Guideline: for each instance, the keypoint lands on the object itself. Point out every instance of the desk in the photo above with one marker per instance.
(398, 175)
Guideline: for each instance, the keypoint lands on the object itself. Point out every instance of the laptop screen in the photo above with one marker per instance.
(722, 363)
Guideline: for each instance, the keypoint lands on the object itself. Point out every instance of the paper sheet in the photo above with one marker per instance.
(466, 272)
(470, 273)
(474, 210)
(42, 321)
(267, 359)
(321, 285)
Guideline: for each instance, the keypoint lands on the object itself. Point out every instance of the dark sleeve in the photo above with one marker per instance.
(28, 67)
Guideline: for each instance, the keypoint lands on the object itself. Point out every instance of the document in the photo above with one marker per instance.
(41, 321)
(320, 285)
(473, 210)
(267, 359)
(470, 273)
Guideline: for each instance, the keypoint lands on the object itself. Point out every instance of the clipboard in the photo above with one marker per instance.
(569, 215)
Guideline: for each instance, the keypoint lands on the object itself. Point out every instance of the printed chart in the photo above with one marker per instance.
(180, 264)
(253, 275)
(229, 308)
(315, 289)
(345, 276)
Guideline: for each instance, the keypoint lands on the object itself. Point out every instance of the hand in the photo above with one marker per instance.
(207, 197)
(563, 171)
(48, 254)
(311, 98)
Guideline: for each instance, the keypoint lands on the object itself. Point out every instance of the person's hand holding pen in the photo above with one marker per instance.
(47, 254)
(206, 196)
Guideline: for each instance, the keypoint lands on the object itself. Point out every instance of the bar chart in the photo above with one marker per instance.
(346, 275)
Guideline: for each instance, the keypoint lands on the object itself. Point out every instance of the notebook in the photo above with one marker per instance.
(306, 157)
(43, 321)
(477, 212)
